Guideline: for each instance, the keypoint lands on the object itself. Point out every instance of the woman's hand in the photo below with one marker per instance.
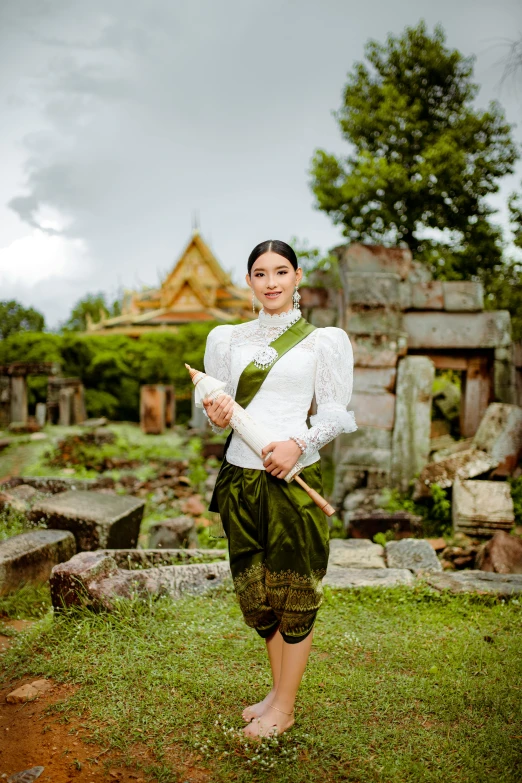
(285, 454)
(219, 411)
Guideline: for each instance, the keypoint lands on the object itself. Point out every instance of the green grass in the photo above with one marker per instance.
(404, 685)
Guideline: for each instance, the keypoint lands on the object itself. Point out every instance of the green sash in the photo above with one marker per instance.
(252, 377)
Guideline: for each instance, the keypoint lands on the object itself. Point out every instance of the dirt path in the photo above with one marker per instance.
(32, 736)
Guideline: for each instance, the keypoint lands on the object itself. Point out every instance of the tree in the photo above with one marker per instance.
(423, 158)
(92, 305)
(14, 317)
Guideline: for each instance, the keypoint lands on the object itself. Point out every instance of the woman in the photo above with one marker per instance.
(278, 538)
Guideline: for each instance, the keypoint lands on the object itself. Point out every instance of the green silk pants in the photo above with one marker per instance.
(278, 542)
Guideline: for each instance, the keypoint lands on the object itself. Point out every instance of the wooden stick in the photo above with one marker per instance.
(316, 497)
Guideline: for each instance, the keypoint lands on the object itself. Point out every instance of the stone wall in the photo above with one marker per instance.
(404, 325)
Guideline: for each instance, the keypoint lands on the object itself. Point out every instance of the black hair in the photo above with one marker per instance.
(274, 246)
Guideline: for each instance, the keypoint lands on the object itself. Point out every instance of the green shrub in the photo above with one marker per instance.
(435, 510)
(113, 367)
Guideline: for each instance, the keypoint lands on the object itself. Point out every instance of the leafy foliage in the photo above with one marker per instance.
(435, 513)
(424, 160)
(15, 318)
(113, 367)
(93, 307)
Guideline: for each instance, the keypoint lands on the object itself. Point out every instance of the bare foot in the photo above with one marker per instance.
(270, 724)
(256, 710)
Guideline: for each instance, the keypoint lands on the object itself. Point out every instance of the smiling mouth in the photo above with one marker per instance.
(273, 294)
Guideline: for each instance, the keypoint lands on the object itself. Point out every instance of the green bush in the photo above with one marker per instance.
(435, 511)
(113, 367)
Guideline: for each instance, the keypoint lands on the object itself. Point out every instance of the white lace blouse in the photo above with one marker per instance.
(321, 365)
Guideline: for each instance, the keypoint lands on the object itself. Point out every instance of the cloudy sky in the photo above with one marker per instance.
(120, 119)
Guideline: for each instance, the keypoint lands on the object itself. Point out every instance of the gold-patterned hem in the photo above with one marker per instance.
(291, 598)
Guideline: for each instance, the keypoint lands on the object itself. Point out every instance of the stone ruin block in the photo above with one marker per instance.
(463, 296)
(322, 317)
(502, 554)
(30, 557)
(381, 350)
(94, 580)
(356, 553)
(415, 554)
(466, 464)
(427, 296)
(339, 577)
(367, 523)
(374, 410)
(479, 508)
(372, 289)
(152, 409)
(374, 380)
(358, 257)
(411, 433)
(457, 330)
(500, 436)
(177, 533)
(96, 520)
(359, 319)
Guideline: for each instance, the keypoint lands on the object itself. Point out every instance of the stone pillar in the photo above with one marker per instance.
(505, 375)
(170, 406)
(198, 420)
(152, 409)
(476, 395)
(65, 403)
(411, 433)
(79, 404)
(41, 413)
(19, 399)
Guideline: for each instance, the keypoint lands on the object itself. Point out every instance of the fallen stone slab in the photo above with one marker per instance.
(93, 579)
(30, 557)
(29, 691)
(502, 554)
(339, 577)
(482, 505)
(463, 465)
(416, 554)
(148, 558)
(500, 435)
(480, 582)
(356, 553)
(96, 520)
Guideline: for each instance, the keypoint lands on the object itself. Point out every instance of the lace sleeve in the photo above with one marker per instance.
(333, 389)
(217, 362)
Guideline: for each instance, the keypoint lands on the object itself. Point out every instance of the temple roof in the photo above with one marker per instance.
(196, 289)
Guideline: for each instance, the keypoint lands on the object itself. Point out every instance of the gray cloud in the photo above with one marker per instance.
(132, 115)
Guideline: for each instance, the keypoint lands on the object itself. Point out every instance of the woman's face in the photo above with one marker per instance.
(273, 280)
